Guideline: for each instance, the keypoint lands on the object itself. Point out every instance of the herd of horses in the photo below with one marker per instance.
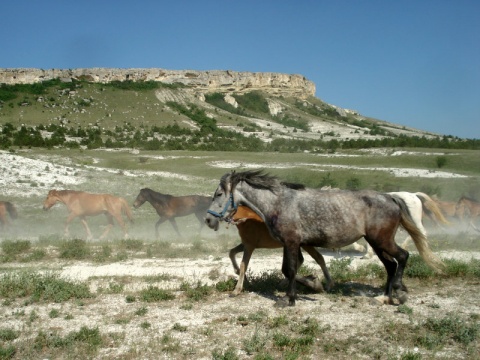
(269, 213)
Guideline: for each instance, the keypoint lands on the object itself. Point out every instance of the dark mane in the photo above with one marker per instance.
(156, 196)
(255, 178)
(294, 186)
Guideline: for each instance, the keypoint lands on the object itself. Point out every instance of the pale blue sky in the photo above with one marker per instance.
(412, 62)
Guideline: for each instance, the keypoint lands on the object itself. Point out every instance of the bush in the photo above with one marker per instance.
(13, 248)
(154, 294)
(441, 161)
(74, 249)
(46, 287)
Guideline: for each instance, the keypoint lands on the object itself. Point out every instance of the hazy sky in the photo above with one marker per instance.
(412, 62)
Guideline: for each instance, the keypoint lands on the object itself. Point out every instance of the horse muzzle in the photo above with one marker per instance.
(212, 222)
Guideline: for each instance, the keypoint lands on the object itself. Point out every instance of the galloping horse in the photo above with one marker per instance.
(468, 208)
(330, 219)
(254, 235)
(446, 207)
(7, 206)
(82, 204)
(169, 207)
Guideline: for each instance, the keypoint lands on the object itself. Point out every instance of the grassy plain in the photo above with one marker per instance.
(174, 316)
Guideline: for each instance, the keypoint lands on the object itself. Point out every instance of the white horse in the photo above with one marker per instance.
(419, 205)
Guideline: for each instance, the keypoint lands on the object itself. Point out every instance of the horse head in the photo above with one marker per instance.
(52, 199)
(141, 198)
(223, 205)
(226, 198)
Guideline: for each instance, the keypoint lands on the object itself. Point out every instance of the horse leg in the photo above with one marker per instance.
(289, 270)
(367, 249)
(320, 261)
(247, 254)
(109, 226)
(232, 253)
(394, 259)
(174, 224)
(406, 241)
(310, 281)
(201, 219)
(119, 218)
(472, 224)
(369, 254)
(66, 231)
(87, 229)
(157, 224)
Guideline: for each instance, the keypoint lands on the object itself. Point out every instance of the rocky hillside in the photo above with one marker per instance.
(265, 105)
(223, 81)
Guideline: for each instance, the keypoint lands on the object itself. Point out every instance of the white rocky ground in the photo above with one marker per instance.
(214, 323)
(25, 176)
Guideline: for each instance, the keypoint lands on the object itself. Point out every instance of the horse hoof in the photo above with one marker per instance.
(380, 300)
(402, 297)
(317, 285)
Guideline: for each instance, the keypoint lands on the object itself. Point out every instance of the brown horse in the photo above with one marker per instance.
(446, 207)
(7, 207)
(254, 235)
(169, 207)
(468, 209)
(82, 204)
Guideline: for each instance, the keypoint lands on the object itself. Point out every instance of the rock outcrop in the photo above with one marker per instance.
(223, 81)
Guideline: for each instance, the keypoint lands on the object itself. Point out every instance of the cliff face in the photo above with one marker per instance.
(223, 81)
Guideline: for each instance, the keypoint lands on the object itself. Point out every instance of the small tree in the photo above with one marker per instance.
(441, 161)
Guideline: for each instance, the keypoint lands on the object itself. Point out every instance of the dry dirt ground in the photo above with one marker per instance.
(354, 325)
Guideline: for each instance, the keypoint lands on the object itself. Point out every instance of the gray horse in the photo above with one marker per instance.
(296, 216)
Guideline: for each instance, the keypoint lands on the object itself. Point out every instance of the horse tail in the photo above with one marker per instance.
(431, 207)
(126, 210)
(418, 237)
(11, 209)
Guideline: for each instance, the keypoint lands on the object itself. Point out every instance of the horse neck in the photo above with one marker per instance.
(148, 195)
(156, 197)
(259, 200)
(63, 196)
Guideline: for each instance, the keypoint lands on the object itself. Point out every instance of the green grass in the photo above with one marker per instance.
(41, 287)
(155, 294)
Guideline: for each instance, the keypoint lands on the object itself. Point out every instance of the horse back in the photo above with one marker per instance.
(472, 206)
(84, 203)
(336, 218)
(183, 205)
